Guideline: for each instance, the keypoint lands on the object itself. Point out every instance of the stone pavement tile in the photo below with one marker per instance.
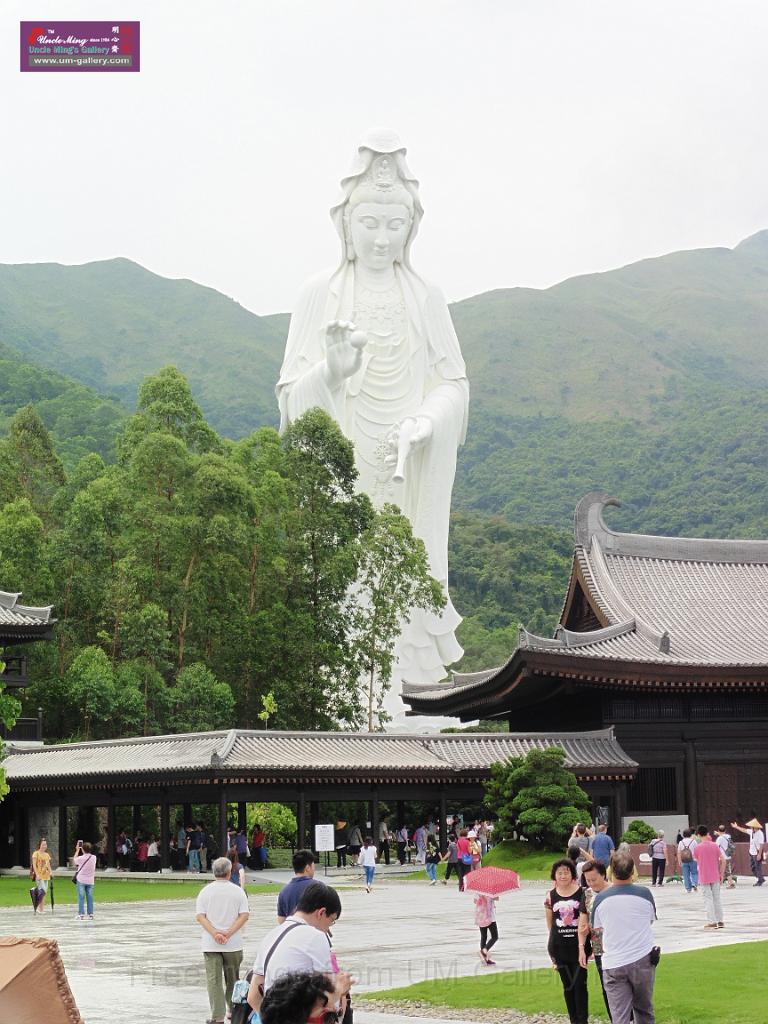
(144, 959)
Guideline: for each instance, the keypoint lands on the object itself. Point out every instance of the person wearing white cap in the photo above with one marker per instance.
(756, 843)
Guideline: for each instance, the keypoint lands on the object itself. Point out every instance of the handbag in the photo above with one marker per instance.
(466, 858)
(77, 872)
(241, 1009)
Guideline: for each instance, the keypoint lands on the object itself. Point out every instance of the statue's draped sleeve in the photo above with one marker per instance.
(302, 385)
(432, 467)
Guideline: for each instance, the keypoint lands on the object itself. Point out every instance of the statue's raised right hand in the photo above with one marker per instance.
(344, 346)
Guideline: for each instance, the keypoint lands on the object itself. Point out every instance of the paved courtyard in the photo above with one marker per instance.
(143, 959)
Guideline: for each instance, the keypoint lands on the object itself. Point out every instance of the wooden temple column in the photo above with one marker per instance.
(242, 815)
(314, 818)
(165, 834)
(691, 787)
(63, 853)
(301, 821)
(400, 814)
(375, 816)
(136, 819)
(111, 835)
(223, 843)
(187, 813)
(442, 824)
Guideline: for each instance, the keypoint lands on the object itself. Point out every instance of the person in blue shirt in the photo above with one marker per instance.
(303, 873)
(601, 845)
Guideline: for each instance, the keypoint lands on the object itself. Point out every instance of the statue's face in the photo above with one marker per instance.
(379, 232)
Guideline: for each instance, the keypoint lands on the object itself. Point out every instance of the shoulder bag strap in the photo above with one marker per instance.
(278, 940)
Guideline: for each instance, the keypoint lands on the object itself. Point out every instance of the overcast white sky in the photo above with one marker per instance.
(551, 137)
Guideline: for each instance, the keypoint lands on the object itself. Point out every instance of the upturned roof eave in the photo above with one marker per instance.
(508, 689)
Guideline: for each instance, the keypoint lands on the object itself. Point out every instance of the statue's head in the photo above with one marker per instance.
(379, 211)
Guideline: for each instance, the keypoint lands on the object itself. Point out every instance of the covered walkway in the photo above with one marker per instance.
(224, 771)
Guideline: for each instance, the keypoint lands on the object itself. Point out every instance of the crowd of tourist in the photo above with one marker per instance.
(594, 910)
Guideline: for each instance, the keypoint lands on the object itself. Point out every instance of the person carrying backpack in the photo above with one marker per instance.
(725, 842)
(688, 866)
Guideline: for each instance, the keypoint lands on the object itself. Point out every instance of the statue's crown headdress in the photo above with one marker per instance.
(381, 183)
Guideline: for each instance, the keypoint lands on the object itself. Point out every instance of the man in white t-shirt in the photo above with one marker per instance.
(301, 943)
(222, 910)
(626, 912)
(756, 843)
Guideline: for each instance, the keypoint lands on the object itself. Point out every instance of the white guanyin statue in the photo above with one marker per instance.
(372, 343)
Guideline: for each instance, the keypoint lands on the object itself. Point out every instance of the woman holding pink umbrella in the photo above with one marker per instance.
(488, 884)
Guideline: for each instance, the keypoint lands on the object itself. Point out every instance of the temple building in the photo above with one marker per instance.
(20, 625)
(662, 639)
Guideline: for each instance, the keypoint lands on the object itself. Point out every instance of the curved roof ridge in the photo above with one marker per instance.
(589, 525)
(565, 639)
(43, 612)
(8, 600)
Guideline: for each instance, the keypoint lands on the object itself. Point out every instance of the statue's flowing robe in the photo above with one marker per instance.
(428, 642)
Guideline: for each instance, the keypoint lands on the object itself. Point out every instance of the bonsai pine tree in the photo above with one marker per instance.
(537, 796)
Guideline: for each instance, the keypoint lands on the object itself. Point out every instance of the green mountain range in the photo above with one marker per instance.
(650, 381)
(109, 324)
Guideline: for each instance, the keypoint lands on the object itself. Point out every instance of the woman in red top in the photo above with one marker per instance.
(464, 853)
(142, 852)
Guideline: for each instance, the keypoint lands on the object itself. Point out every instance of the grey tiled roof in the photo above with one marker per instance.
(663, 601)
(669, 600)
(598, 749)
(14, 614)
(292, 754)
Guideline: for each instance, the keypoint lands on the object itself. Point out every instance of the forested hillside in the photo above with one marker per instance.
(79, 419)
(647, 380)
(109, 324)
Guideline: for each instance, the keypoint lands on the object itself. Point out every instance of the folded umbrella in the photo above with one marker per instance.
(491, 881)
(34, 895)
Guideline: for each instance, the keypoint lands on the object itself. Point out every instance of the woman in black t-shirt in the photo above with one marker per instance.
(562, 907)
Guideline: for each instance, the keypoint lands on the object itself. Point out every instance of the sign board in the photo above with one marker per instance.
(324, 838)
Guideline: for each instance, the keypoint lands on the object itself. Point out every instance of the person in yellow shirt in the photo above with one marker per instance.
(41, 866)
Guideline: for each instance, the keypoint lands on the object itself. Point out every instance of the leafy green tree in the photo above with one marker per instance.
(199, 702)
(537, 796)
(277, 820)
(269, 708)
(392, 578)
(323, 552)
(24, 552)
(29, 465)
(166, 407)
(90, 682)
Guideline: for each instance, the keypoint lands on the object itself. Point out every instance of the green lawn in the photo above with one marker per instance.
(14, 892)
(727, 984)
(528, 861)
